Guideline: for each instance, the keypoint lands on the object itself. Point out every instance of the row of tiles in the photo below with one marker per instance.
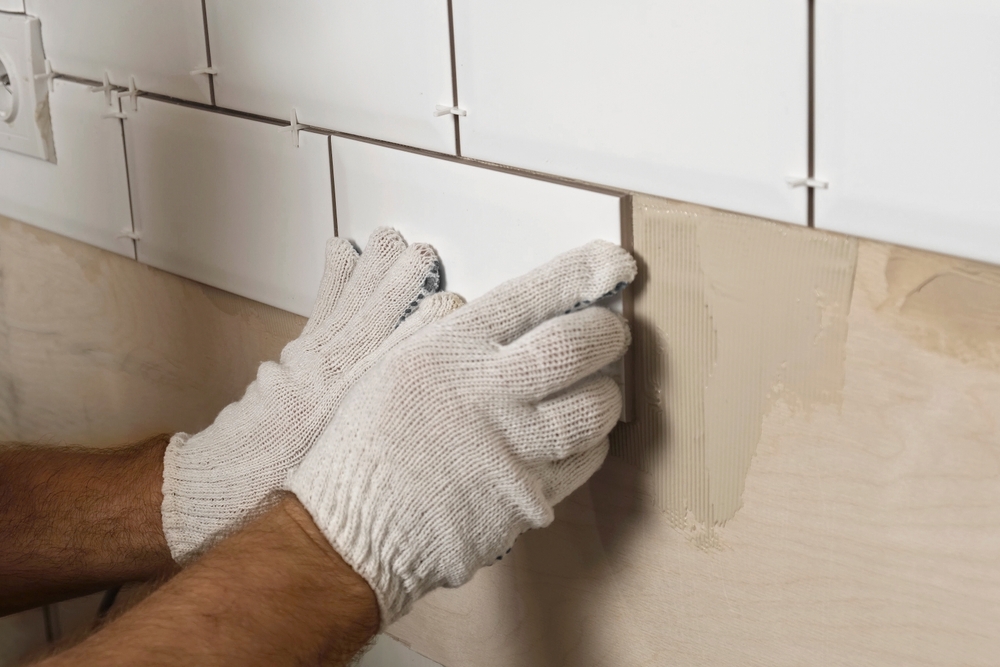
(234, 203)
(705, 102)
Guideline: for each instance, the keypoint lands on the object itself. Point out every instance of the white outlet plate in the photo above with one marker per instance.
(25, 124)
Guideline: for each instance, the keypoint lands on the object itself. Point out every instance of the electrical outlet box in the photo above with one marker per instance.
(25, 123)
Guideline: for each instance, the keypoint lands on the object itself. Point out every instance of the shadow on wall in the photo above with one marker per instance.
(568, 565)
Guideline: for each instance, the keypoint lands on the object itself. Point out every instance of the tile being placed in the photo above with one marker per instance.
(907, 102)
(159, 42)
(487, 226)
(84, 195)
(230, 202)
(377, 69)
(700, 101)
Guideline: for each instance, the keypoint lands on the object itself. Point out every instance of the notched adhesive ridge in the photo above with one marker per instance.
(731, 313)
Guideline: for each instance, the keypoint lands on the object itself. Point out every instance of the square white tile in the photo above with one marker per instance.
(487, 226)
(700, 101)
(159, 42)
(376, 69)
(907, 131)
(84, 195)
(230, 202)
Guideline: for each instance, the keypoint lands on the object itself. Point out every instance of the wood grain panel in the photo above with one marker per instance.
(96, 349)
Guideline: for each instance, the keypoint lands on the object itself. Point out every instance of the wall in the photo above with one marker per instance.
(818, 475)
(867, 490)
(812, 473)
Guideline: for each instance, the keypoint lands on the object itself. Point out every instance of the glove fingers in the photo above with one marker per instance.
(341, 258)
(561, 478)
(431, 309)
(385, 246)
(562, 351)
(415, 276)
(571, 281)
(573, 422)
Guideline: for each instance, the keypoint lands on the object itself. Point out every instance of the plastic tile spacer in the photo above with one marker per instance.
(49, 76)
(294, 127)
(804, 182)
(106, 88)
(442, 110)
(204, 70)
(111, 113)
(133, 93)
(130, 234)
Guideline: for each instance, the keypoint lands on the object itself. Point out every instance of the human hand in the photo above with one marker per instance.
(214, 480)
(468, 434)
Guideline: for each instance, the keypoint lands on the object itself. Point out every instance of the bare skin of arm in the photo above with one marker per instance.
(275, 593)
(75, 521)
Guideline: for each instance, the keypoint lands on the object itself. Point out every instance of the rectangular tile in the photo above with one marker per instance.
(907, 102)
(12, 6)
(159, 42)
(230, 202)
(376, 69)
(487, 226)
(699, 101)
(84, 195)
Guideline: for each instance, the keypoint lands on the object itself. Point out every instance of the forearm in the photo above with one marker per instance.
(75, 520)
(274, 593)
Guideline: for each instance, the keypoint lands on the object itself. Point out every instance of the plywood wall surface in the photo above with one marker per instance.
(96, 349)
(867, 526)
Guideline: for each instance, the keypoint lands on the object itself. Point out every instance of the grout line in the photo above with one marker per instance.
(454, 77)
(540, 176)
(128, 185)
(811, 112)
(333, 186)
(208, 51)
(50, 615)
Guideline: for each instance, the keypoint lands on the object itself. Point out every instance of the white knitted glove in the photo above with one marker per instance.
(469, 433)
(214, 480)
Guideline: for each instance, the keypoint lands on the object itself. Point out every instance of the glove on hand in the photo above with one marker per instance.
(214, 480)
(468, 434)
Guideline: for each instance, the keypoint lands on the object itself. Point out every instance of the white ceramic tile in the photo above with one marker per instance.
(77, 617)
(158, 42)
(376, 69)
(387, 652)
(230, 202)
(84, 195)
(701, 101)
(20, 635)
(908, 122)
(486, 225)
(11, 5)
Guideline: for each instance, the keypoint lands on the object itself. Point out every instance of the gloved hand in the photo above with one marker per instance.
(214, 480)
(468, 434)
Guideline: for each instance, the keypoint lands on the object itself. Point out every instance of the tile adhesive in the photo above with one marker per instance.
(730, 313)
